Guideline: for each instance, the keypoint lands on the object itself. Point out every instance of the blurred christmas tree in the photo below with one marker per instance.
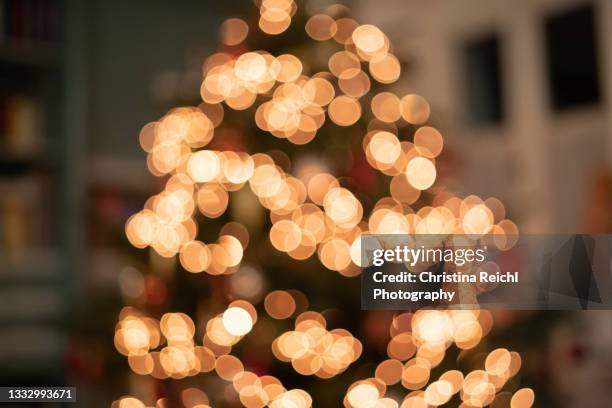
(295, 153)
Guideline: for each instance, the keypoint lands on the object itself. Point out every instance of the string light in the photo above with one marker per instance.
(312, 213)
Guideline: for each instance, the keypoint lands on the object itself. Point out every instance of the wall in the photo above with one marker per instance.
(537, 162)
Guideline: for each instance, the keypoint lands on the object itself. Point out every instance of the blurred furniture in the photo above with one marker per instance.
(40, 117)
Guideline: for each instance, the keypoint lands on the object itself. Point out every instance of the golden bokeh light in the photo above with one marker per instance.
(313, 350)
(385, 147)
(523, 398)
(279, 304)
(370, 40)
(233, 31)
(195, 256)
(344, 110)
(237, 321)
(386, 107)
(321, 27)
(385, 68)
(415, 109)
(389, 371)
(428, 141)
(356, 85)
(421, 173)
(275, 15)
(314, 213)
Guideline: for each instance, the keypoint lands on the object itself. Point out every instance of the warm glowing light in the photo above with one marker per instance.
(523, 398)
(385, 68)
(389, 371)
(421, 173)
(386, 107)
(313, 213)
(342, 207)
(415, 109)
(204, 166)
(344, 110)
(237, 321)
(195, 256)
(233, 31)
(369, 38)
(385, 147)
(279, 304)
(428, 141)
(363, 394)
(321, 27)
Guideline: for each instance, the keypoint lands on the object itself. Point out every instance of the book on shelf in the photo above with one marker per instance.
(32, 20)
(26, 216)
(21, 127)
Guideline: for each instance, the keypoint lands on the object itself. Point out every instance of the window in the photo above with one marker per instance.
(572, 58)
(481, 81)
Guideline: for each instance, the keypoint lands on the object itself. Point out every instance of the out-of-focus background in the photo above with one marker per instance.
(520, 89)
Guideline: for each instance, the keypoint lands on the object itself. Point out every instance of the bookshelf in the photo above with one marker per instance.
(38, 192)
